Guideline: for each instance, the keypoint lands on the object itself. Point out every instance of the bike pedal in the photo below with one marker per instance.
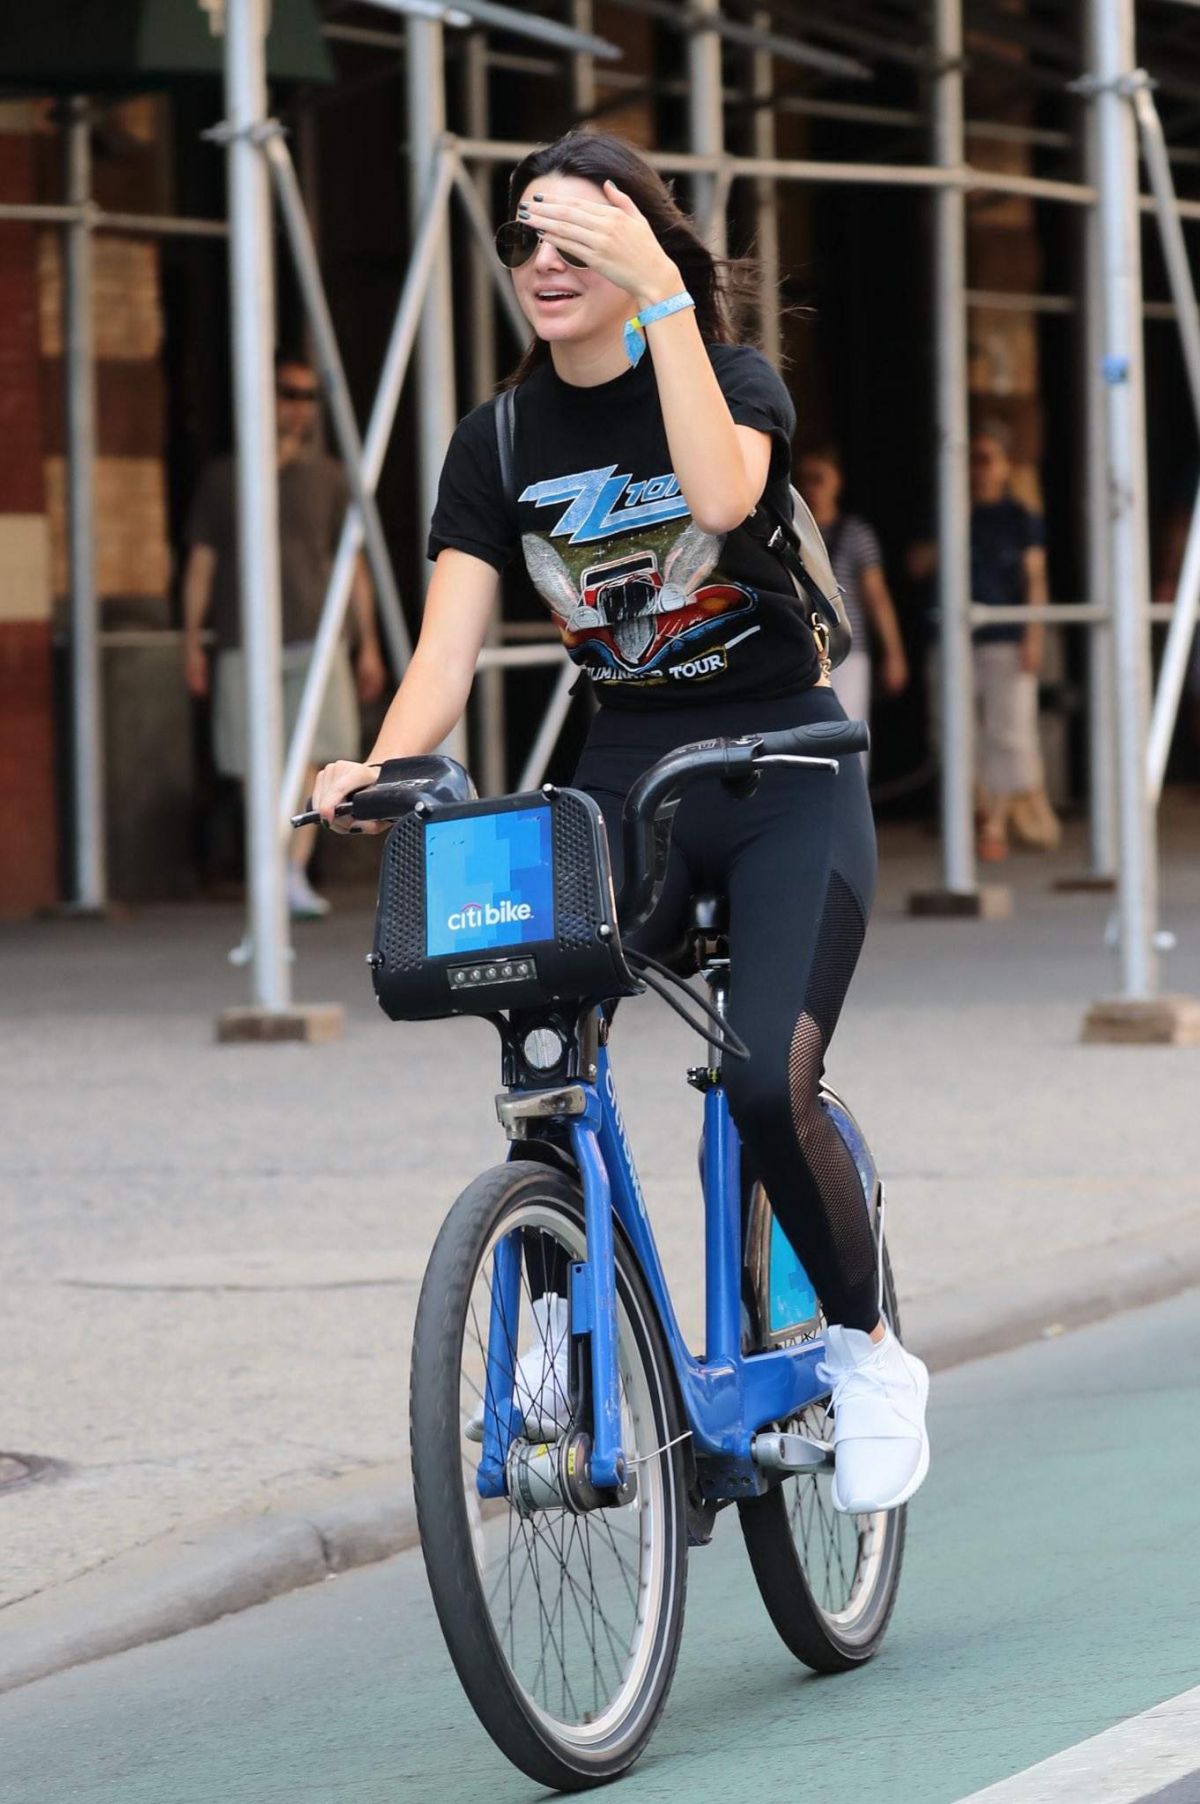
(779, 1452)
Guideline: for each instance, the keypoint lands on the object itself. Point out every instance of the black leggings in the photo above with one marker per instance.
(797, 861)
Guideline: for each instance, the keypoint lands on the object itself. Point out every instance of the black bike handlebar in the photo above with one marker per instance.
(437, 781)
(657, 794)
(403, 782)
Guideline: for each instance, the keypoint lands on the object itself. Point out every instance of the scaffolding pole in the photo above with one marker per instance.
(482, 347)
(364, 463)
(87, 744)
(425, 83)
(766, 201)
(706, 121)
(328, 362)
(253, 336)
(1179, 273)
(483, 372)
(1102, 811)
(1125, 514)
(429, 233)
(583, 63)
(808, 169)
(954, 553)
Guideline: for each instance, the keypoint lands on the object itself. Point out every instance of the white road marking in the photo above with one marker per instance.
(1157, 1752)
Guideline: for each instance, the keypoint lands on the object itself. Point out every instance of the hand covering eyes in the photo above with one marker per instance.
(516, 243)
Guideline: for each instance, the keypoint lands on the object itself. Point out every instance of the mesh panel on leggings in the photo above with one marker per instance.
(835, 1175)
(839, 942)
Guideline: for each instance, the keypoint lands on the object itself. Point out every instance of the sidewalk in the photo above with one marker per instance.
(211, 1255)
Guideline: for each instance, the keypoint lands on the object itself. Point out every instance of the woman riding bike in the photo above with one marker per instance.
(641, 446)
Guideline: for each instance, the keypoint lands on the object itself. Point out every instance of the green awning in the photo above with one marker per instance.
(95, 46)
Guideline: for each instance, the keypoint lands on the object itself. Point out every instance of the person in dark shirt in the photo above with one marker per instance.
(644, 439)
(858, 565)
(1008, 569)
(312, 504)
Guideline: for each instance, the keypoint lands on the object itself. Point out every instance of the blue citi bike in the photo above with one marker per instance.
(558, 1565)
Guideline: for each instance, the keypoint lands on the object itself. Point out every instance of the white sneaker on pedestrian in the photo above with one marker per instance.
(541, 1380)
(880, 1446)
(303, 902)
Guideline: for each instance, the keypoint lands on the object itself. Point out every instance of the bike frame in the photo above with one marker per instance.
(727, 1395)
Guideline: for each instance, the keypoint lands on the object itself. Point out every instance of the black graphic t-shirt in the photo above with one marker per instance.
(651, 607)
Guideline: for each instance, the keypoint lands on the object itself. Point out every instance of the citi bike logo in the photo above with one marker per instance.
(473, 915)
(610, 1090)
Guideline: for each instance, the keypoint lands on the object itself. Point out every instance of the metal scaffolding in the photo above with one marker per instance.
(1110, 305)
(87, 741)
(252, 308)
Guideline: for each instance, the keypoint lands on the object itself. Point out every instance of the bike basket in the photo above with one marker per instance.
(506, 903)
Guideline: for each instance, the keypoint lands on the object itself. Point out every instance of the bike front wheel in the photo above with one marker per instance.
(829, 1581)
(563, 1624)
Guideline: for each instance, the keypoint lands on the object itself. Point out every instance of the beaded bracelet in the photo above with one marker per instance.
(635, 336)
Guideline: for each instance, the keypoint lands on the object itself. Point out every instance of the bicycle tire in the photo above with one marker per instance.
(564, 1757)
(827, 1640)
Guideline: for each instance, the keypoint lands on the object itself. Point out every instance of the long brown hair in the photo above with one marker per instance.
(715, 283)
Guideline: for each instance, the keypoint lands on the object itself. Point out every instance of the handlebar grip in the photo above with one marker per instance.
(375, 802)
(821, 739)
(383, 801)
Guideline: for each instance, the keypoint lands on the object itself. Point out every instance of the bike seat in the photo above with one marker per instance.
(702, 929)
(708, 913)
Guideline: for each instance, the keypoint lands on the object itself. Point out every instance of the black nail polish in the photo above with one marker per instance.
(539, 197)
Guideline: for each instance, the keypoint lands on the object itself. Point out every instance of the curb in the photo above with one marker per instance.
(187, 1579)
(190, 1578)
(1085, 1284)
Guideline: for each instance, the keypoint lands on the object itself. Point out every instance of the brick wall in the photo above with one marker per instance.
(132, 555)
(28, 855)
(133, 566)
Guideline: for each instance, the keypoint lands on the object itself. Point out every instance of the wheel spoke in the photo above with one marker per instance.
(845, 1559)
(574, 1599)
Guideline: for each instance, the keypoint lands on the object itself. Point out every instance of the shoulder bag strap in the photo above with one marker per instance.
(506, 434)
(769, 527)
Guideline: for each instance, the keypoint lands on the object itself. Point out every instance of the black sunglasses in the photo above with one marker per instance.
(287, 392)
(517, 242)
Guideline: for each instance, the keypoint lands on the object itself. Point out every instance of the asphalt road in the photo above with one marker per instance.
(1051, 1589)
(210, 1255)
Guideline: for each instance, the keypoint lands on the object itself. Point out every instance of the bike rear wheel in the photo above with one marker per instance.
(564, 1627)
(829, 1581)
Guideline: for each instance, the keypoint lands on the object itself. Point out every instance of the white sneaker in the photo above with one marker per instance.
(303, 902)
(881, 1449)
(541, 1380)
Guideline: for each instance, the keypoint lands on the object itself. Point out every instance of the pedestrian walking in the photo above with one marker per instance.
(1008, 569)
(858, 565)
(312, 504)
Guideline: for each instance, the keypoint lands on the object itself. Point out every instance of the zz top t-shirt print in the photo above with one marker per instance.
(648, 605)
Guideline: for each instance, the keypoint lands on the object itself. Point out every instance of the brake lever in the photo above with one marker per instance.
(744, 784)
(310, 817)
(795, 758)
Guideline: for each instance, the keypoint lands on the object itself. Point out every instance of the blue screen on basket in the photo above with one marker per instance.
(489, 882)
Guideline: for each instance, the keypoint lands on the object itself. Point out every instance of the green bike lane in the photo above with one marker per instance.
(1051, 1589)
